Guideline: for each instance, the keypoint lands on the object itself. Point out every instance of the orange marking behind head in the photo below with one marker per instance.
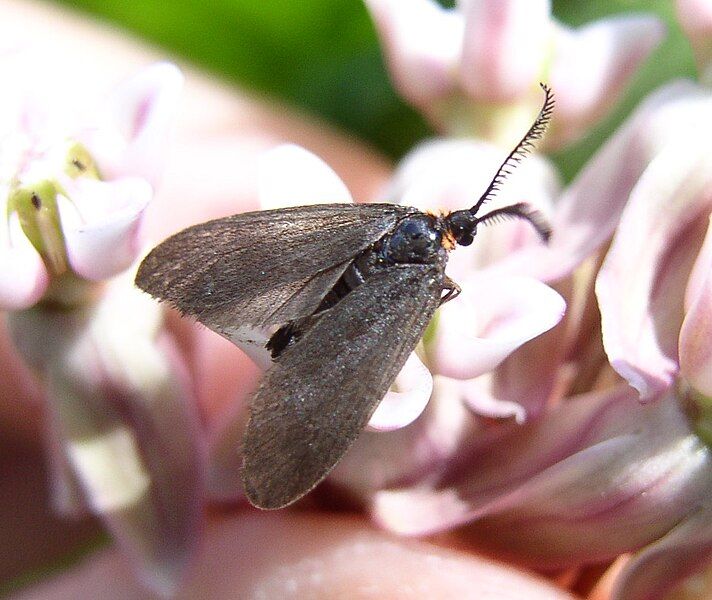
(448, 240)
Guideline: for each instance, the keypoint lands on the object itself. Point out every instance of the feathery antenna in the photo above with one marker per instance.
(521, 210)
(525, 145)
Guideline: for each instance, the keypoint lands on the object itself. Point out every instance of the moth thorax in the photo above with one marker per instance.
(415, 239)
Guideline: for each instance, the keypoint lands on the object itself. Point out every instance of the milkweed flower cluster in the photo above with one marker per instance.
(470, 69)
(600, 468)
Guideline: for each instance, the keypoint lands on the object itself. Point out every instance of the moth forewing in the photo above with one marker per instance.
(262, 268)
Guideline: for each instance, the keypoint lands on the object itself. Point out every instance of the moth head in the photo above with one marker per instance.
(462, 226)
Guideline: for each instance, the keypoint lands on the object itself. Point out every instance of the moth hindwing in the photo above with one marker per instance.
(320, 394)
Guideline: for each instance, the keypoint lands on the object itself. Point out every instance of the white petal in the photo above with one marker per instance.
(101, 227)
(494, 315)
(402, 406)
(130, 136)
(422, 42)
(289, 175)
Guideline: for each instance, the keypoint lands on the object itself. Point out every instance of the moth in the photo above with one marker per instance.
(345, 291)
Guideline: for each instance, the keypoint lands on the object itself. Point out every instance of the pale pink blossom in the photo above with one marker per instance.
(601, 475)
(473, 70)
(121, 428)
(70, 187)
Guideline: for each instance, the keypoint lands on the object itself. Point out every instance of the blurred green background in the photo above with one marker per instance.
(323, 56)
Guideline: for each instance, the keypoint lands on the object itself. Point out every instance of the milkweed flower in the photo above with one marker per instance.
(64, 189)
(121, 426)
(606, 468)
(473, 70)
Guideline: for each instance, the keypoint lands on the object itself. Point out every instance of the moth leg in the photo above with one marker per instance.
(452, 290)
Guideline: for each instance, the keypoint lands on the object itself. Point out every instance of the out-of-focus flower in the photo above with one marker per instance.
(520, 309)
(73, 207)
(122, 424)
(317, 556)
(122, 430)
(473, 70)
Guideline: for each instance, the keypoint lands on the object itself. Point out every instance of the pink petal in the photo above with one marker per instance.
(696, 330)
(641, 283)
(101, 225)
(293, 556)
(685, 550)
(131, 135)
(505, 46)
(402, 406)
(494, 315)
(588, 211)
(421, 41)
(129, 428)
(476, 394)
(23, 275)
(600, 476)
(591, 68)
(695, 17)
(379, 460)
(290, 175)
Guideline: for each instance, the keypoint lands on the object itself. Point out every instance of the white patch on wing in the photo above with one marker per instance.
(252, 341)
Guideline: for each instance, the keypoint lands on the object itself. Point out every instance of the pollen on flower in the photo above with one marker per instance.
(78, 161)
